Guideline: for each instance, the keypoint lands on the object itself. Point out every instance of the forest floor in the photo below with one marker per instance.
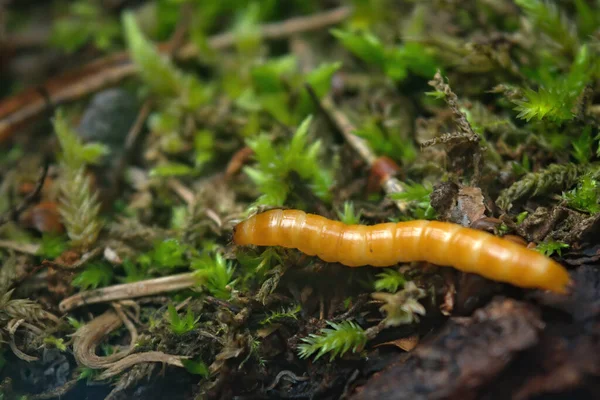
(136, 135)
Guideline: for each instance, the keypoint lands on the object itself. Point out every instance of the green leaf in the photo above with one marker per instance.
(216, 274)
(79, 207)
(521, 217)
(585, 196)
(157, 71)
(93, 276)
(550, 247)
(545, 103)
(365, 46)
(282, 314)
(246, 29)
(169, 254)
(85, 22)
(320, 78)
(391, 144)
(171, 169)
(415, 57)
(55, 342)
(133, 273)
(268, 77)
(548, 19)
(389, 280)
(276, 162)
(557, 96)
(76, 324)
(87, 373)
(52, 246)
(204, 147)
(588, 19)
(72, 154)
(582, 146)
(92, 153)
(348, 216)
(180, 325)
(337, 340)
(196, 367)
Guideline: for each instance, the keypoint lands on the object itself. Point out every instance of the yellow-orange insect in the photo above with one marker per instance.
(381, 245)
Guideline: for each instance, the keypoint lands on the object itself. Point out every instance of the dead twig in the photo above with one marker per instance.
(12, 326)
(89, 336)
(148, 357)
(26, 248)
(124, 291)
(27, 200)
(134, 133)
(390, 184)
(31, 103)
(90, 255)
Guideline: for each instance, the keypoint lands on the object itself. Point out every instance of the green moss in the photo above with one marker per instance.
(167, 254)
(583, 146)
(389, 280)
(215, 274)
(156, 70)
(79, 206)
(557, 95)
(549, 20)
(348, 215)
(337, 340)
(418, 198)
(58, 343)
(384, 142)
(550, 247)
(180, 325)
(196, 367)
(85, 22)
(555, 177)
(395, 61)
(52, 246)
(278, 87)
(282, 314)
(275, 163)
(94, 275)
(585, 196)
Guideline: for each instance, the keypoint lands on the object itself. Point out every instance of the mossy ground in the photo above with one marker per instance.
(481, 113)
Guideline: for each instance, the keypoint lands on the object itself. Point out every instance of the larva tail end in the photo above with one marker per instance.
(566, 289)
(561, 282)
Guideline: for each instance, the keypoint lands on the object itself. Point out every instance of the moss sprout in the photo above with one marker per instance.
(338, 339)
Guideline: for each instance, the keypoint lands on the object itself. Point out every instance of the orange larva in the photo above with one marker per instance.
(440, 243)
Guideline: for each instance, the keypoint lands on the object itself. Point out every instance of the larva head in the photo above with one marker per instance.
(243, 232)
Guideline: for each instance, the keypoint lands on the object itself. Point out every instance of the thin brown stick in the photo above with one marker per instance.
(134, 133)
(343, 124)
(182, 191)
(31, 103)
(124, 291)
(90, 255)
(12, 326)
(27, 200)
(275, 30)
(133, 136)
(147, 357)
(89, 336)
(25, 248)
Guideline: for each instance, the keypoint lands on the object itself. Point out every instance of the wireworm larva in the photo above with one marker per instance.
(386, 244)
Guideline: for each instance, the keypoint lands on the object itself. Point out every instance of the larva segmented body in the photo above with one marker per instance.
(386, 244)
